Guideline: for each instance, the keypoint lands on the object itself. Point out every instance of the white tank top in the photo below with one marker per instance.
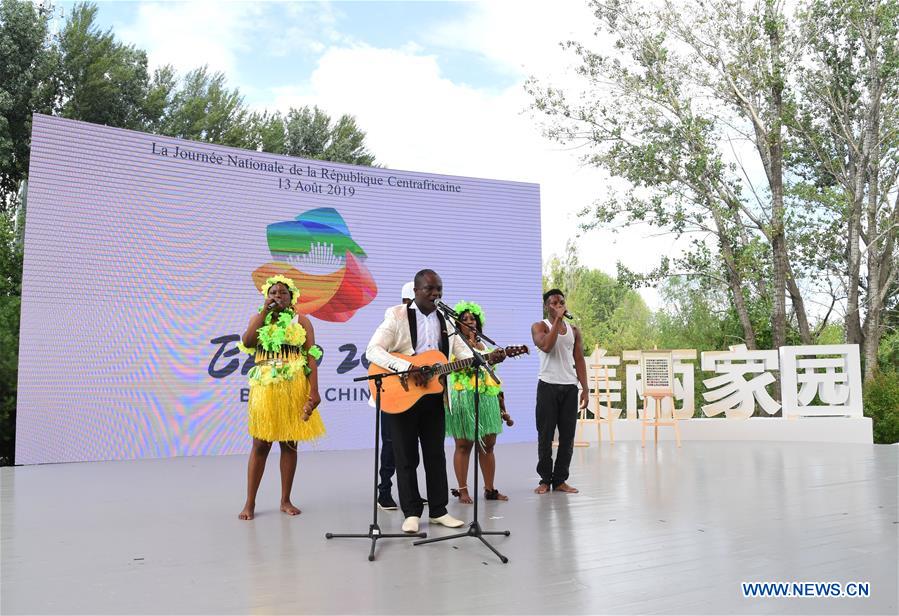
(557, 366)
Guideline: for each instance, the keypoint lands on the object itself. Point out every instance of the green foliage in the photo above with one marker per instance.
(100, 79)
(630, 326)
(309, 132)
(9, 361)
(692, 318)
(269, 131)
(831, 334)
(10, 292)
(881, 399)
(25, 67)
(608, 314)
(888, 352)
(205, 109)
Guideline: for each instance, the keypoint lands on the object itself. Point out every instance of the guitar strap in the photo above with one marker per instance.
(413, 327)
(444, 337)
(413, 331)
(444, 348)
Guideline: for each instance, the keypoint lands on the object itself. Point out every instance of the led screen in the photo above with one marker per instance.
(143, 256)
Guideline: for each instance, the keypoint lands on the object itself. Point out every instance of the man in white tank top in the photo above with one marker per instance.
(562, 367)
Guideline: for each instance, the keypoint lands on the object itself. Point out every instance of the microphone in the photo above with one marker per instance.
(445, 308)
(272, 305)
(568, 315)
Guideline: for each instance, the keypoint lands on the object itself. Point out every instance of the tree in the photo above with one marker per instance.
(269, 132)
(25, 69)
(673, 97)
(100, 79)
(663, 111)
(695, 317)
(309, 132)
(205, 109)
(846, 127)
(10, 301)
(312, 134)
(608, 313)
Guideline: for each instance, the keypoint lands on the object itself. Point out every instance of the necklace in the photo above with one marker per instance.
(283, 331)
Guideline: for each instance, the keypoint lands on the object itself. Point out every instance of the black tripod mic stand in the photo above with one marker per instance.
(474, 528)
(374, 530)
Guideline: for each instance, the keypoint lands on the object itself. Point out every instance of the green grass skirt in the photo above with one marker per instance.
(460, 415)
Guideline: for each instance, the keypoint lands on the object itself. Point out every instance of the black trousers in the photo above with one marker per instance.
(556, 408)
(388, 464)
(424, 422)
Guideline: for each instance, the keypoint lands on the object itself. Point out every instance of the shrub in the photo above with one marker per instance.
(881, 397)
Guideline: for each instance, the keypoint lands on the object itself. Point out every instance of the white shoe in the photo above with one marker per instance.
(448, 521)
(410, 524)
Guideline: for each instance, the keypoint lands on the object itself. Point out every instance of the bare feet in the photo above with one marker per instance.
(288, 508)
(462, 495)
(248, 511)
(542, 489)
(564, 487)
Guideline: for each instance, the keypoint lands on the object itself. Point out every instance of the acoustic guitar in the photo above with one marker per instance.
(398, 395)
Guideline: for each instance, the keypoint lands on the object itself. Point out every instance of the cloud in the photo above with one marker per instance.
(228, 35)
(306, 27)
(417, 119)
(191, 34)
(521, 37)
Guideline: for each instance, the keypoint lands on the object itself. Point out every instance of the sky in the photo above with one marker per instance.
(437, 86)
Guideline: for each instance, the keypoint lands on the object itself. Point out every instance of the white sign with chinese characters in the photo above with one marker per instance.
(815, 381)
(821, 380)
(732, 392)
(605, 386)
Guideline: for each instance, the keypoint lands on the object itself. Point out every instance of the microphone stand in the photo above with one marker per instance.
(474, 528)
(374, 530)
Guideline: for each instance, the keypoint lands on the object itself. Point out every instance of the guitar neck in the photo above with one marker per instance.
(459, 364)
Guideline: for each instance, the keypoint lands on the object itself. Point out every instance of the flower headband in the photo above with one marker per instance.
(287, 282)
(471, 307)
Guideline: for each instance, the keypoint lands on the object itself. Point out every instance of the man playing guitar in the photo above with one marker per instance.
(408, 330)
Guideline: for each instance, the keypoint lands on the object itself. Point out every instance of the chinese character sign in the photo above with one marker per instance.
(743, 378)
(815, 381)
(821, 380)
(605, 386)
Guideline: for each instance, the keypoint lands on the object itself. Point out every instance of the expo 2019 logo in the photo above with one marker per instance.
(317, 251)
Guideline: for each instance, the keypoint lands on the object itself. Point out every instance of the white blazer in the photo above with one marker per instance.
(394, 336)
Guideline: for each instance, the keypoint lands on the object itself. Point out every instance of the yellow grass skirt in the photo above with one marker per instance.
(276, 412)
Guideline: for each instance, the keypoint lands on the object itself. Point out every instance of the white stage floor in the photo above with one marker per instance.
(653, 531)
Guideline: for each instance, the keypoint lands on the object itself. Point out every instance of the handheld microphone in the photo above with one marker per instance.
(568, 315)
(273, 305)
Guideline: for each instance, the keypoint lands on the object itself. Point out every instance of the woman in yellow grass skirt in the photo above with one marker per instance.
(283, 387)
